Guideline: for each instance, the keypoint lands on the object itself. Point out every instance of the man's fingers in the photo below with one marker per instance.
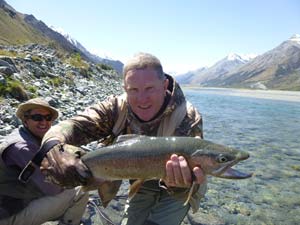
(178, 179)
(170, 180)
(185, 172)
(199, 175)
(179, 174)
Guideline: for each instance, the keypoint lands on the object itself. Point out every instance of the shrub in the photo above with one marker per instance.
(32, 89)
(8, 53)
(76, 61)
(104, 66)
(56, 81)
(37, 59)
(11, 53)
(13, 88)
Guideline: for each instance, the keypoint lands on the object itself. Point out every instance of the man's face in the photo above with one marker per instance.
(145, 92)
(38, 121)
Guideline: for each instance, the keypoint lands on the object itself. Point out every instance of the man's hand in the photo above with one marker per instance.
(62, 166)
(178, 173)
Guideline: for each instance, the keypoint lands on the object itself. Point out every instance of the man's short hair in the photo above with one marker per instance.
(142, 61)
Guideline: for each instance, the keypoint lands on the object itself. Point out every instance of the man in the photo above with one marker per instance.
(35, 201)
(153, 104)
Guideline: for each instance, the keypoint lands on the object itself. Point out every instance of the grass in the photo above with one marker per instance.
(76, 61)
(104, 66)
(58, 81)
(14, 88)
(8, 53)
(11, 54)
(15, 31)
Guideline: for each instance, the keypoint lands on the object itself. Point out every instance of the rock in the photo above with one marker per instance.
(200, 218)
(6, 70)
(6, 130)
(65, 88)
(2, 80)
(53, 102)
(6, 61)
(28, 58)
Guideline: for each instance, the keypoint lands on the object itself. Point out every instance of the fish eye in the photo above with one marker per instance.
(222, 159)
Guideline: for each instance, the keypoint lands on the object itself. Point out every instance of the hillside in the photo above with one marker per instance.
(18, 29)
(14, 30)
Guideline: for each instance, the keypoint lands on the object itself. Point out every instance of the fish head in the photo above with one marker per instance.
(217, 160)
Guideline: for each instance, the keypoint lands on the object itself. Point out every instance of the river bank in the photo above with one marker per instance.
(293, 96)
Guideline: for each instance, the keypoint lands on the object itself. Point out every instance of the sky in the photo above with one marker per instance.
(183, 34)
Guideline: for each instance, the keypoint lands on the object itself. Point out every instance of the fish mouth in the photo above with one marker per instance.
(228, 172)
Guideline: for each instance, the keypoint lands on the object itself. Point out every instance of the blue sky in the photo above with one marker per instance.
(183, 34)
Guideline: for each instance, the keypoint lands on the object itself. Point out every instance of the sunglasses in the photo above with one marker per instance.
(39, 117)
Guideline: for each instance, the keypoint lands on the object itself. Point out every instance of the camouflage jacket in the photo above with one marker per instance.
(107, 119)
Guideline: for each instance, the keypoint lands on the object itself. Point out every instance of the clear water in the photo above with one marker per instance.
(270, 131)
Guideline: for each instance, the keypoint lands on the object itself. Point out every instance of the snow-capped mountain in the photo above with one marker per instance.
(244, 58)
(278, 68)
(295, 38)
(116, 64)
(219, 69)
(66, 35)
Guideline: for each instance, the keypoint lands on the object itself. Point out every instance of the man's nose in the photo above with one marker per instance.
(142, 95)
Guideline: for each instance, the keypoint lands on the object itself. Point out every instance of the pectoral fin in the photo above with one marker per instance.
(108, 190)
(134, 188)
(192, 189)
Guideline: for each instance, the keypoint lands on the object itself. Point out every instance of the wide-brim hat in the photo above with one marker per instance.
(33, 104)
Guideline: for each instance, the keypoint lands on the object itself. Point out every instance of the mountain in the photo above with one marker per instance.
(278, 68)
(14, 29)
(18, 29)
(116, 64)
(218, 70)
(187, 78)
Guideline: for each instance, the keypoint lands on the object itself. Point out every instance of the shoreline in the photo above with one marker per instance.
(292, 96)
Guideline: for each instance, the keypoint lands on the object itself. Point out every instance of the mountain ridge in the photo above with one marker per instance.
(278, 68)
(219, 69)
(116, 64)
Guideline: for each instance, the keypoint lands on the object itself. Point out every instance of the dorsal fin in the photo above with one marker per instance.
(127, 137)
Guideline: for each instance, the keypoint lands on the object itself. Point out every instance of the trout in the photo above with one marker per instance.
(143, 158)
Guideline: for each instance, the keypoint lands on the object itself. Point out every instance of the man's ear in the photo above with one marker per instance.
(124, 85)
(166, 84)
(25, 123)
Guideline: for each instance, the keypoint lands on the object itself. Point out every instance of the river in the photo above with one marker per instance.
(267, 125)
